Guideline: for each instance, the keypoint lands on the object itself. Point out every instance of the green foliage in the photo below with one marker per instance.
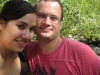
(2, 3)
(82, 19)
(32, 1)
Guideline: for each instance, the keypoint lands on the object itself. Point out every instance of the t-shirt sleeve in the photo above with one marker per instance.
(89, 61)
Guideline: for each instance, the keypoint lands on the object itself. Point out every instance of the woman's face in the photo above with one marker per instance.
(15, 34)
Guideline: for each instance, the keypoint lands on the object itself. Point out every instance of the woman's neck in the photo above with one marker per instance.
(10, 64)
(8, 56)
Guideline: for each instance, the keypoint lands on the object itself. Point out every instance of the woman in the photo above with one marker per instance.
(17, 23)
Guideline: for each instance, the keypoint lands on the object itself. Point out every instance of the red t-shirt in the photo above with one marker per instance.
(70, 58)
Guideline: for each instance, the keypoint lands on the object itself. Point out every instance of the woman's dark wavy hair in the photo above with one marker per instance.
(52, 1)
(15, 9)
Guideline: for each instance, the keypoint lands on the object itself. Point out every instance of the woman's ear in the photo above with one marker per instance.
(1, 23)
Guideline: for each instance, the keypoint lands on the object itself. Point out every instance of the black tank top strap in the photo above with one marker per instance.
(24, 64)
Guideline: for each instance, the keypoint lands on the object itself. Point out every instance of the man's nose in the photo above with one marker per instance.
(48, 20)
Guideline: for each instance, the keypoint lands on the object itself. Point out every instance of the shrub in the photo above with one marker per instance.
(82, 19)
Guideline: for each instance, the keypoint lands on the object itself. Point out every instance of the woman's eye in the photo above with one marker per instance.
(21, 27)
(32, 29)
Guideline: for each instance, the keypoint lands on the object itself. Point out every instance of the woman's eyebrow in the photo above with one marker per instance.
(22, 22)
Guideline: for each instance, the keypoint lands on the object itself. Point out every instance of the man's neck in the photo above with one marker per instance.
(48, 46)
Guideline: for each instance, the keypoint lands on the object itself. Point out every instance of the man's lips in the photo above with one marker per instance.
(45, 29)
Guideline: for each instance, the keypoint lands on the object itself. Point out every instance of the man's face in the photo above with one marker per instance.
(48, 19)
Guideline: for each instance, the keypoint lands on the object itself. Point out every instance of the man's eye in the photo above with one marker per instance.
(54, 18)
(41, 15)
(21, 27)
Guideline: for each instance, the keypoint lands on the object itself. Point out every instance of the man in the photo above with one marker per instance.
(52, 54)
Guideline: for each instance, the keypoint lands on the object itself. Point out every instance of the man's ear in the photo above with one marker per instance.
(60, 25)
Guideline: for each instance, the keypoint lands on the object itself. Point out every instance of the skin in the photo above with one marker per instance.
(47, 32)
(14, 36)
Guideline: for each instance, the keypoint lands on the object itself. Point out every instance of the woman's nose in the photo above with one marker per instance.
(26, 35)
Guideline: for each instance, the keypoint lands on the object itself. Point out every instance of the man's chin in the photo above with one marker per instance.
(46, 35)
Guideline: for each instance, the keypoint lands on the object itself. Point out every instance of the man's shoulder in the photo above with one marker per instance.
(79, 49)
(72, 42)
(30, 46)
(32, 43)
(75, 44)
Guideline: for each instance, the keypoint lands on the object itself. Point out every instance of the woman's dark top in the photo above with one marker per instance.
(24, 64)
